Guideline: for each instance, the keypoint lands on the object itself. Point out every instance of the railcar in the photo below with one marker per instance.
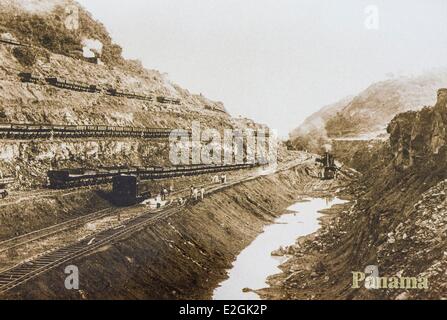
(165, 100)
(72, 85)
(28, 77)
(130, 95)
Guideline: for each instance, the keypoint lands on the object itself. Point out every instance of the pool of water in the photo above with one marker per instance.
(255, 263)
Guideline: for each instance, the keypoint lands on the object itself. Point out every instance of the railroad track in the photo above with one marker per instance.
(22, 240)
(16, 198)
(22, 273)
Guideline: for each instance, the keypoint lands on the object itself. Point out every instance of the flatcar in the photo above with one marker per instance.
(59, 179)
(165, 100)
(72, 85)
(130, 95)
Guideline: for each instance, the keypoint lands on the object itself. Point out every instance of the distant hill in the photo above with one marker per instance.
(371, 110)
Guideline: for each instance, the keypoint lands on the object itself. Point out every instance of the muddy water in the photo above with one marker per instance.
(255, 264)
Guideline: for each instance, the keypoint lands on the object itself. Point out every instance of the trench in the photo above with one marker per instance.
(255, 263)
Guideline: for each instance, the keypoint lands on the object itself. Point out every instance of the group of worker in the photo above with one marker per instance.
(195, 193)
(222, 179)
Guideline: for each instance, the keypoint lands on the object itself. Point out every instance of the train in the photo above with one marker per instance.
(31, 131)
(69, 178)
(28, 77)
(4, 182)
(329, 171)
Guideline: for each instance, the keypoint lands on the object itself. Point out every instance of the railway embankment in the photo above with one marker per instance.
(187, 254)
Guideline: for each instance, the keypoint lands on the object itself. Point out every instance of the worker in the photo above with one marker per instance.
(202, 193)
(158, 201)
(196, 194)
(192, 192)
(165, 193)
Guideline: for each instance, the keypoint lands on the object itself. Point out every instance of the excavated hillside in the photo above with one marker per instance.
(398, 221)
(53, 50)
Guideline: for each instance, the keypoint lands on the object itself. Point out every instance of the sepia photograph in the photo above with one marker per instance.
(208, 152)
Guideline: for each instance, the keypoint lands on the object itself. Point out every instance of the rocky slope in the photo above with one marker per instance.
(398, 221)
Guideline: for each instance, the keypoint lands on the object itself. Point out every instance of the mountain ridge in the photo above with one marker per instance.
(372, 109)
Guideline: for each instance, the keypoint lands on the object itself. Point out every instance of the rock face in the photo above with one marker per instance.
(419, 138)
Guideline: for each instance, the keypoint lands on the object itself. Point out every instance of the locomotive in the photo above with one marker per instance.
(330, 169)
(128, 190)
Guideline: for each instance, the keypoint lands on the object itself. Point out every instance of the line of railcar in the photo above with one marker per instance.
(69, 178)
(32, 131)
(28, 77)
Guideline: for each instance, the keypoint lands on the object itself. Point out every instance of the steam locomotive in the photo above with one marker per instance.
(330, 169)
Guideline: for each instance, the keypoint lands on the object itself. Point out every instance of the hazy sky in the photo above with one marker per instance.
(278, 61)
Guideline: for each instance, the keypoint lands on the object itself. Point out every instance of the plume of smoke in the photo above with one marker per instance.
(92, 48)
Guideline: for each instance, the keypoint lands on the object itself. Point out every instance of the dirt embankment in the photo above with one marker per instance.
(186, 255)
(397, 223)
